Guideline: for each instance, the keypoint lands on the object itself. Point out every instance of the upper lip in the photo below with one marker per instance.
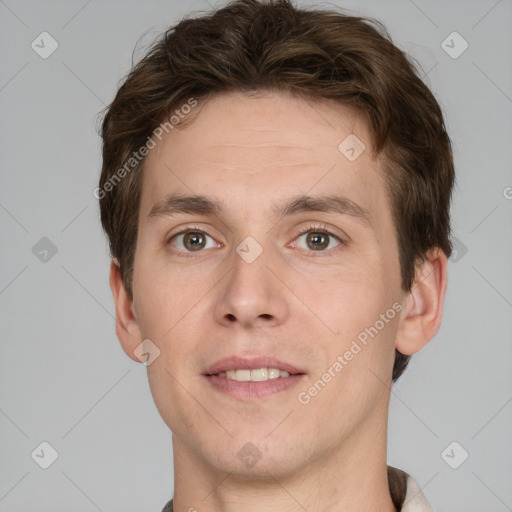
(250, 363)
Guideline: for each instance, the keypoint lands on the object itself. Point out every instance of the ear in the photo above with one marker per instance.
(423, 308)
(127, 329)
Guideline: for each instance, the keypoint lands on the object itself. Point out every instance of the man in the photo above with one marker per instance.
(276, 187)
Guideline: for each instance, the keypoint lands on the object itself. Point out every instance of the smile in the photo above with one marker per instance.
(256, 375)
(249, 378)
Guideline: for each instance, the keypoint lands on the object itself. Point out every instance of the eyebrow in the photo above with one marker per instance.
(177, 203)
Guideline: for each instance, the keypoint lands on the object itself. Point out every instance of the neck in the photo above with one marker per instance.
(353, 477)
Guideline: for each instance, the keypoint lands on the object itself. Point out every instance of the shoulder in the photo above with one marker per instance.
(405, 492)
(168, 507)
(415, 500)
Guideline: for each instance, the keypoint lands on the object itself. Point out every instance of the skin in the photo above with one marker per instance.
(329, 454)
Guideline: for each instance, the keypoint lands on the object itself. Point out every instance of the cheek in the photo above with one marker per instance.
(355, 303)
(162, 296)
(170, 313)
(348, 297)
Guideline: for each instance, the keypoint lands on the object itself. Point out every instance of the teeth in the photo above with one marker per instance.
(258, 375)
(274, 373)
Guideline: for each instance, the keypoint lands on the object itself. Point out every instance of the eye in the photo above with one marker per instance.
(319, 239)
(191, 240)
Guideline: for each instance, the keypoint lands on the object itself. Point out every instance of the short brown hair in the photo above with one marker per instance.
(249, 46)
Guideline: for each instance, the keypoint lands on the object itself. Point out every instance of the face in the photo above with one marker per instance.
(268, 280)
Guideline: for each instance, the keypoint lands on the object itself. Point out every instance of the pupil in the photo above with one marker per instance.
(193, 241)
(313, 237)
(193, 238)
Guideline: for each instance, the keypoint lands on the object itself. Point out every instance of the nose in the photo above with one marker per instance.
(252, 295)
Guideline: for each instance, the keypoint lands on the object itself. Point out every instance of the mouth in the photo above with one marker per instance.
(256, 375)
(250, 378)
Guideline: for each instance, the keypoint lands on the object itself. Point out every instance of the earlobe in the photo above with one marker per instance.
(423, 307)
(127, 328)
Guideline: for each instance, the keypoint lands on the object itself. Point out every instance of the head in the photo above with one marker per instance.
(252, 107)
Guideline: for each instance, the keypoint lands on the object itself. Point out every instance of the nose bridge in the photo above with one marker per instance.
(250, 276)
(252, 250)
(251, 292)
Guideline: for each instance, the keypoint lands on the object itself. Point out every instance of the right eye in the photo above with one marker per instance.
(191, 240)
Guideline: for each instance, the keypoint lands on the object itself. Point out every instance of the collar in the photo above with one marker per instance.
(415, 500)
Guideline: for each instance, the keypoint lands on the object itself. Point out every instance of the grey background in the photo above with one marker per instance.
(64, 378)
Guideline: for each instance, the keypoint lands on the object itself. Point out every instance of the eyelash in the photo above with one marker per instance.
(316, 228)
(319, 228)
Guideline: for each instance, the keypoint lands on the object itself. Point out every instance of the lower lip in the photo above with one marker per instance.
(252, 389)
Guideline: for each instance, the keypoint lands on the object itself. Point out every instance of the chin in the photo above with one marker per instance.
(258, 460)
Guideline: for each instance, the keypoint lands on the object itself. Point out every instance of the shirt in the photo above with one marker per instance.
(415, 500)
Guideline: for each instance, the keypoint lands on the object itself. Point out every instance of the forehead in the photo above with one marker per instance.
(253, 146)
(230, 124)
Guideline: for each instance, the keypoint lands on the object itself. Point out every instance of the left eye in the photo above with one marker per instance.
(318, 240)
